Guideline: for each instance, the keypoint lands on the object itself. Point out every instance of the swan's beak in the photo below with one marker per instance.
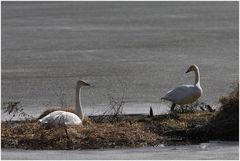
(188, 71)
(87, 84)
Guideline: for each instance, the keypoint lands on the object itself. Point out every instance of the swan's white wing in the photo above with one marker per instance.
(71, 119)
(61, 117)
(183, 94)
(51, 117)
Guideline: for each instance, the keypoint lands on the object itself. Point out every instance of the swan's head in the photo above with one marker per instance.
(82, 83)
(192, 67)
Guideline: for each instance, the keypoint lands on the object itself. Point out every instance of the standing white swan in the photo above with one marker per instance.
(68, 118)
(185, 94)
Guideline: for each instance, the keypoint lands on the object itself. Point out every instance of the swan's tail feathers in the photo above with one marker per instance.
(163, 103)
(40, 120)
(43, 121)
(164, 106)
(165, 98)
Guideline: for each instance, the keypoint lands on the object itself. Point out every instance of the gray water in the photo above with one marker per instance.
(209, 151)
(141, 49)
(136, 49)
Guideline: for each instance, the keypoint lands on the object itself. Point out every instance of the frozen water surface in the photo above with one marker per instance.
(211, 151)
(140, 48)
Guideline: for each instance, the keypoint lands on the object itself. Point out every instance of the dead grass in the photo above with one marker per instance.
(134, 131)
(225, 125)
(187, 120)
(127, 130)
(230, 103)
(104, 135)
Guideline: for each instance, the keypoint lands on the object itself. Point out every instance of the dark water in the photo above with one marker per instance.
(141, 49)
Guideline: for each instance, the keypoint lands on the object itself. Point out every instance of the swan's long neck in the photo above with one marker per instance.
(78, 105)
(197, 76)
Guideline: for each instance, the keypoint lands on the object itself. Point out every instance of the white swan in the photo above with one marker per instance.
(185, 94)
(68, 118)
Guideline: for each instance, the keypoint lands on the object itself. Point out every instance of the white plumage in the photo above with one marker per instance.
(185, 94)
(61, 117)
(64, 117)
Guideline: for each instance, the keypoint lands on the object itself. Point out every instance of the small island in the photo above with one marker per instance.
(135, 130)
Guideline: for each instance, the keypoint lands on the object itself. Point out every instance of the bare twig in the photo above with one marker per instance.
(15, 108)
(115, 108)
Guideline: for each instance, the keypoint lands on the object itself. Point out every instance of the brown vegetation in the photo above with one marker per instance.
(112, 131)
(225, 125)
(129, 131)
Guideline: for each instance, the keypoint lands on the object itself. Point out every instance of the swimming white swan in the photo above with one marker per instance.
(68, 118)
(185, 94)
